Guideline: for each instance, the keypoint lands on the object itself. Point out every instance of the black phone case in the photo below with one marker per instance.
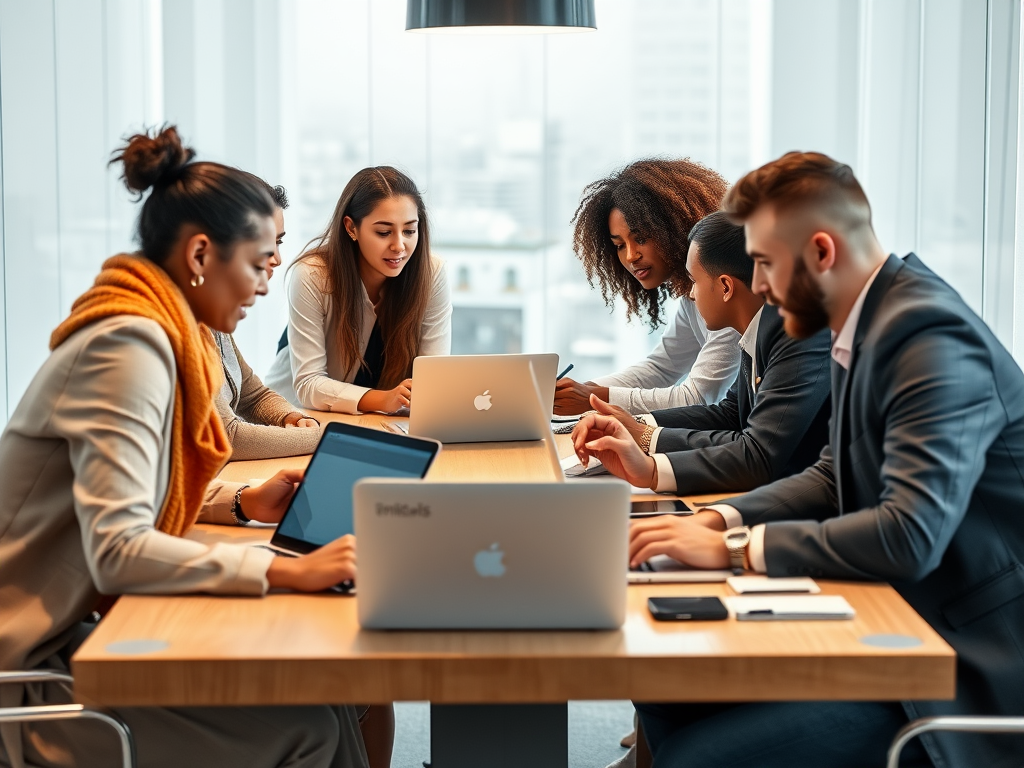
(699, 609)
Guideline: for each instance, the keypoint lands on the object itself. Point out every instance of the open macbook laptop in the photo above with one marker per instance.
(491, 555)
(321, 509)
(479, 398)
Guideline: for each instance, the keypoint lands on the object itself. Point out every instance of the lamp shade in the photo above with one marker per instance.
(500, 15)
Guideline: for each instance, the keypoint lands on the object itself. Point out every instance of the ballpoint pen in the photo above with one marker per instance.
(562, 374)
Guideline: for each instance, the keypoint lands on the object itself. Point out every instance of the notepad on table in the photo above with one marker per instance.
(789, 607)
(745, 585)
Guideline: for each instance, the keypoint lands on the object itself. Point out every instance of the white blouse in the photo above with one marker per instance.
(711, 358)
(308, 372)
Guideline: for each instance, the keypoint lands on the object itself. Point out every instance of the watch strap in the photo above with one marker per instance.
(645, 439)
(236, 508)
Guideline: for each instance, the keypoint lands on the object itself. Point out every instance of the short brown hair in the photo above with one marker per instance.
(793, 179)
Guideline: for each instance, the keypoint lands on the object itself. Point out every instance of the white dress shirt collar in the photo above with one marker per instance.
(748, 343)
(842, 344)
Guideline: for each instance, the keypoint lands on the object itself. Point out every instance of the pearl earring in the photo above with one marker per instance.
(197, 280)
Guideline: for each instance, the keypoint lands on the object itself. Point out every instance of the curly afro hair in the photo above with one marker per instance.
(661, 200)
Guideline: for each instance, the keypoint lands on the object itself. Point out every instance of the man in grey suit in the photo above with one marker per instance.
(773, 421)
(921, 485)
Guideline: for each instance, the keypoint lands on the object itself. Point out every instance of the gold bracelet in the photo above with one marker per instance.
(645, 439)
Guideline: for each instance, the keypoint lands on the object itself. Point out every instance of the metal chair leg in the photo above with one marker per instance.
(36, 676)
(64, 711)
(963, 724)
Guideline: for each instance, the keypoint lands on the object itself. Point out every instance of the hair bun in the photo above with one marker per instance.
(149, 160)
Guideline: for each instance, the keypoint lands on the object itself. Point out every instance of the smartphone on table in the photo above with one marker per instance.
(687, 608)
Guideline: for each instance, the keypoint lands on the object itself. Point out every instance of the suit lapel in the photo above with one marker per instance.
(841, 379)
(746, 397)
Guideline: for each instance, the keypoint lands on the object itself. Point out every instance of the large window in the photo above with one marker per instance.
(502, 134)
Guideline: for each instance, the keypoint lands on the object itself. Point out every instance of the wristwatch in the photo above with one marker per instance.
(736, 541)
(236, 508)
(645, 439)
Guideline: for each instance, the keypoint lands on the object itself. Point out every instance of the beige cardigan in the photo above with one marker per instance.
(253, 414)
(84, 463)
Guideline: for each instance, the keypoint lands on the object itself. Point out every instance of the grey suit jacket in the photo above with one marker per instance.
(922, 485)
(748, 440)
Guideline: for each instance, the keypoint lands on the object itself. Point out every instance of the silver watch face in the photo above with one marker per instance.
(737, 538)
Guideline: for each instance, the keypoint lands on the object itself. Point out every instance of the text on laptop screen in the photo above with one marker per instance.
(321, 510)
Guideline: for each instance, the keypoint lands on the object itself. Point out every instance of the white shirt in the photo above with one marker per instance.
(842, 350)
(665, 478)
(686, 347)
(842, 343)
(308, 372)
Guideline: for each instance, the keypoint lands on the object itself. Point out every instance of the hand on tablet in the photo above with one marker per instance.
(678, 537)
(319, 570)
(266, 503)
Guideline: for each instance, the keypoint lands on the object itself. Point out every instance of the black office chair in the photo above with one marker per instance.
(63, 711)
(965, 724)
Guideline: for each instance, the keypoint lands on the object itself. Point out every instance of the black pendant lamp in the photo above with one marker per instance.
(500, 16)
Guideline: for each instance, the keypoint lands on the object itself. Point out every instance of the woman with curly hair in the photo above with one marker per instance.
(631, 233)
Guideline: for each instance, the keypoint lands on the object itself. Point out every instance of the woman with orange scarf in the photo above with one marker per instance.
(111, 456)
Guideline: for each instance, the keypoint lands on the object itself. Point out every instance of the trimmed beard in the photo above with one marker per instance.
(804, 304)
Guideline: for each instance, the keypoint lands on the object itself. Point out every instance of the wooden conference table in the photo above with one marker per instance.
(308, 649)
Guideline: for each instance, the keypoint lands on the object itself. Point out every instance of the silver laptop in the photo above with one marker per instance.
(479, 398)
(491, 555)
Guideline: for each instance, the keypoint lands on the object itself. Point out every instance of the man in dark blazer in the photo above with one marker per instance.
(921, 485)
(774, 420)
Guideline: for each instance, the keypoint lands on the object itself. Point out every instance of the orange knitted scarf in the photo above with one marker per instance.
(133, 285)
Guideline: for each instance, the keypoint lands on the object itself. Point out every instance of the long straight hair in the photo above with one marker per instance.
(403, 299)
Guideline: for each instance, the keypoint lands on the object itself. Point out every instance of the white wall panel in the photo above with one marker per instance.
(82, 145)
(815, 69)
(952, 144)
(3, 288)
(133, 100)
(397, 91)
(31, 233)
(253, 121)
(890, 120)
(1001, 164)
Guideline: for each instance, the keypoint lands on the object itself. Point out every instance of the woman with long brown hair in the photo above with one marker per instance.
(364, 300)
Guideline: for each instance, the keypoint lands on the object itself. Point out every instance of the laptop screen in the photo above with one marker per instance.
(321, 510)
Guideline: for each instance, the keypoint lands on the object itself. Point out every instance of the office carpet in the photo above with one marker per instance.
(595, 728)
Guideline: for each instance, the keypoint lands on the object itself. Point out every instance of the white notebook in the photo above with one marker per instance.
(747, 585)
(789, 607)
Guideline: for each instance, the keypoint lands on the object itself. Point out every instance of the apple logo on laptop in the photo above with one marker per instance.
(488, 561)
(483, 402)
